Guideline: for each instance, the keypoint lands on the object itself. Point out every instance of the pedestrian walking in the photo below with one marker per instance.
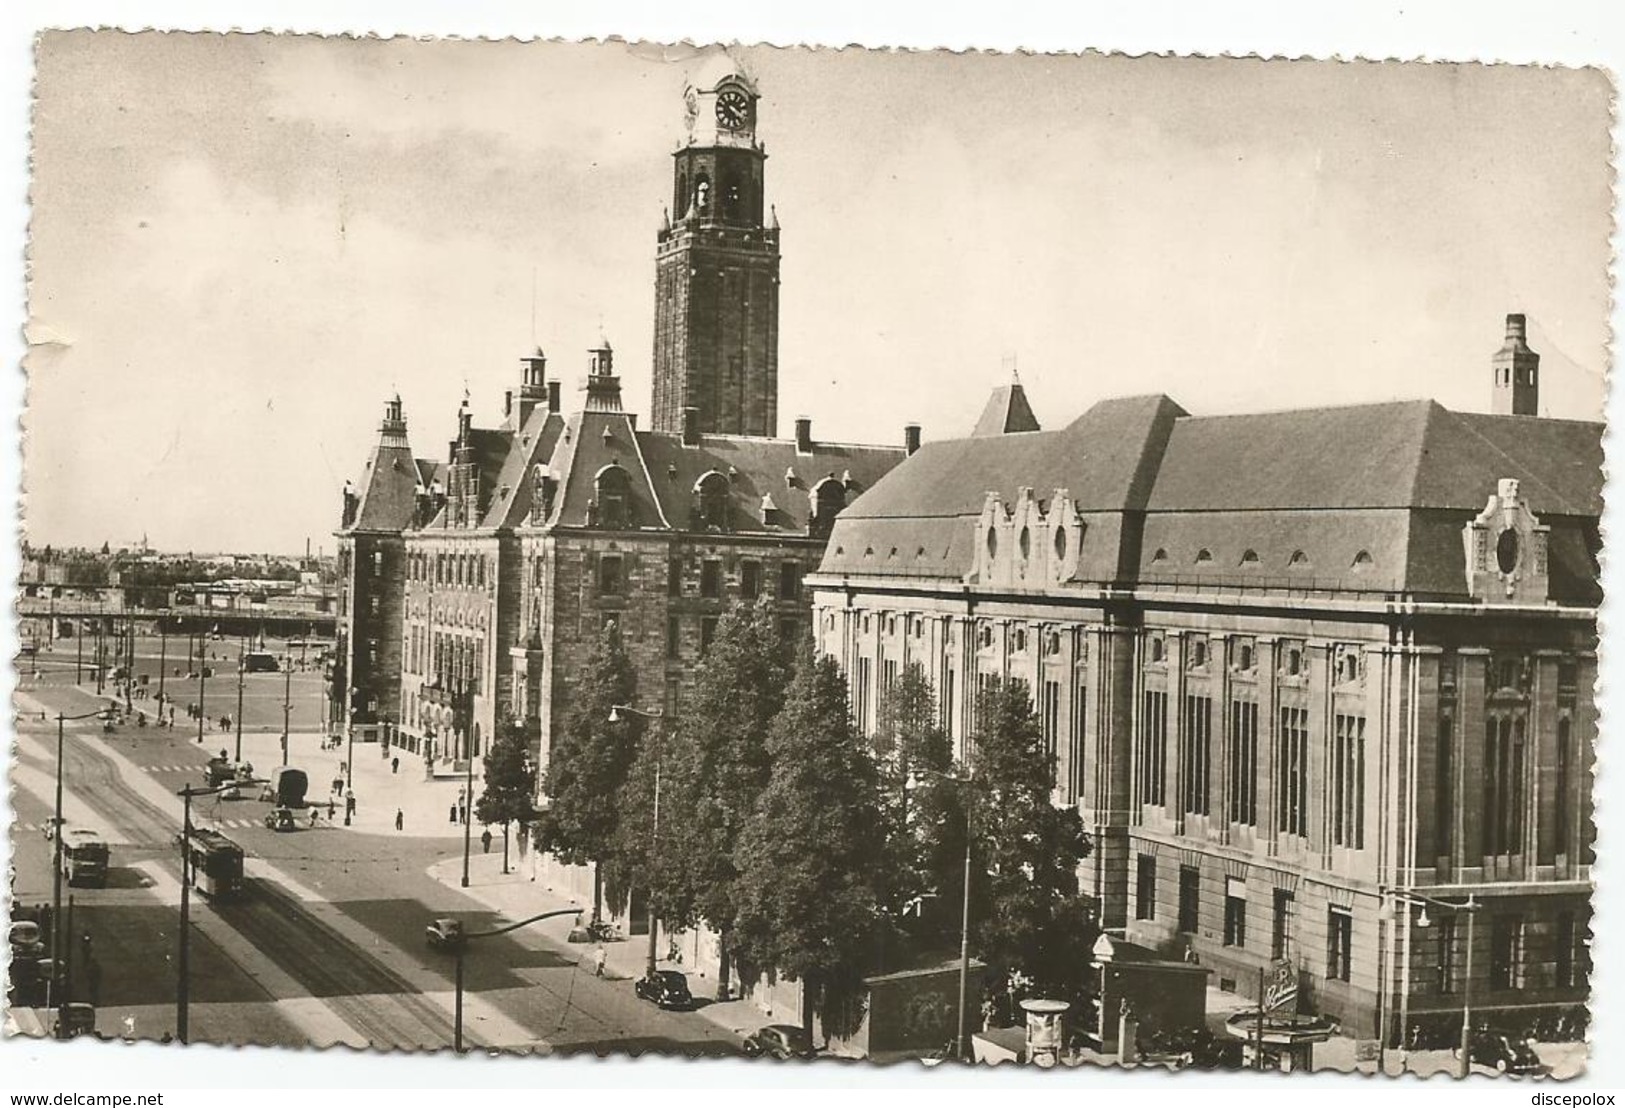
(451, 814)
(599, 957)
(331, 808)
(394, 765)
(400, 819)
(485, 841)
(314, 813)
(349, 802)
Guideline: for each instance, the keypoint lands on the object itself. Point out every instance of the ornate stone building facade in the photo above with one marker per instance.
(1296, 669)
(475, 587)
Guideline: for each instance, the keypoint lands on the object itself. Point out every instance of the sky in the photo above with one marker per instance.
(243, 245)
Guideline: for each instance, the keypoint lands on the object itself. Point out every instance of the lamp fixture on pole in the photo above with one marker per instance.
(617, 712)
(58, 993)
(1470, 908)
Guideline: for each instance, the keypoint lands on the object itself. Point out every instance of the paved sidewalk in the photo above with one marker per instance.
(516, 896)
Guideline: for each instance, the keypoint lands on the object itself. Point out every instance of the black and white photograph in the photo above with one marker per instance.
(774, 555)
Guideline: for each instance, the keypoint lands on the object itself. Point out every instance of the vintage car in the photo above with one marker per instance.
(445, 934)
(666, 988)
(778, 1040)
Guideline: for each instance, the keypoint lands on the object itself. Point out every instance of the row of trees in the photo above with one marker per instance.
(817, 853)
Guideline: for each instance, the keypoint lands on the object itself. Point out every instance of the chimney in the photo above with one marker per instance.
(803, 435)
(911, 438)
(1515, 386)
(553, 396)
(691, 427)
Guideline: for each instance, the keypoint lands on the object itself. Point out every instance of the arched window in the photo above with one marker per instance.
(711, 496)
(829, 497)
(702, 194)
(612, 489)
(1249, 557)
(1362, 561)
(679, 203)
(1160, 556)
(1204, 556)
(733, 196)
(1299, 560)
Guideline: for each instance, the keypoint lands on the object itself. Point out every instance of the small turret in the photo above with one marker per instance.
(603, 387)
(1515, 389)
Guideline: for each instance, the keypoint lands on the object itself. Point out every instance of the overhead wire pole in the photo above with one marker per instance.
(461, 948)
(242, 674)
(287, 705)
(654, 830)
(58, 1000)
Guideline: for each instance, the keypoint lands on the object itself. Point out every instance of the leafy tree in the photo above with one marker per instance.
(1028, 918)
(810, 878)
(912, 754)
(715, 766)
(589, 762)
(1036, 916)
(509, 795)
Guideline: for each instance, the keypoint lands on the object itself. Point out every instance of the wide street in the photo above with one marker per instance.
(327, 945)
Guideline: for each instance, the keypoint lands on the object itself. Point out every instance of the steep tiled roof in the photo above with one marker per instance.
(925, 508)
(1007, 412)
(1369, 498)
(511, 494)
(1410, 454)
(759, 468)
(388, 488)
(1105, 458)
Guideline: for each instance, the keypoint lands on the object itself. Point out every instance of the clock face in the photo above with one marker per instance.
(733, 109)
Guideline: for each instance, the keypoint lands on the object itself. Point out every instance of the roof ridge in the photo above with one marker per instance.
(1520, 468)
(1420, 453)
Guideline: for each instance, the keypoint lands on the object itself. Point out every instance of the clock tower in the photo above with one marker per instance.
(716, 346)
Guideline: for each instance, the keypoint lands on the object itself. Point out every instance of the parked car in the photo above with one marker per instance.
(778, 1040)
(76, 1019)
(1502, 1053)
(667, 988)
(280, 819)
(26, 940)
(445, 934)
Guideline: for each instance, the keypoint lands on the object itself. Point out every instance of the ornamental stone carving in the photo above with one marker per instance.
(1505, 548)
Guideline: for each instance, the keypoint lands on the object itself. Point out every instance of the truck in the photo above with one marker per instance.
(290, 786)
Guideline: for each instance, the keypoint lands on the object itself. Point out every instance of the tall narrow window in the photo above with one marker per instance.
(1145, 887)
(1281, 929)
(1561, 786)
(1235, 912)
(1339, 943)
(790, 581)
(1444, 785)
(1348, 782)
(750, 579)
(711, 579)
(1196, 754)
(1563, 951)
(1292, 773)
(1050, 716)
(1153, 738)
(610, 581)
(861, 698)
(1190, 898)
(1503, 784)
(674, 636)
(1506, 953)
(708, 632)
(674, 576)
(1242, 763)
(1446, 954)
(1075, 743)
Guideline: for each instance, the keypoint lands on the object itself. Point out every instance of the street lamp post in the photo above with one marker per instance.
(287, 706)
(615, 713)
(349, 751)
(1468, 907)
(202, 678)
(242, 674)
(163, 661)
(58, 999)
(183, 981)
(465, 712)
(461, 948)
(964, 917)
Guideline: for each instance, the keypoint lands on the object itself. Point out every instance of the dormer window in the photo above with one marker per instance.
(612, 490)
(1160, 556)
(1249, 557)
(711, 498)
(1299, 560)
(829, 497)
(1204, 556)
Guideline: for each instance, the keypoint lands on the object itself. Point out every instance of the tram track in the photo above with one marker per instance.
(373, 999)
